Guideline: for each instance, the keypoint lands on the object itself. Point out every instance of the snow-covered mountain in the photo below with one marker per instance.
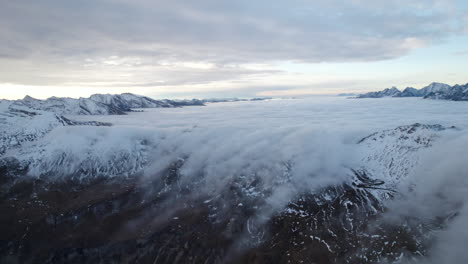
(128, 101)
(388, 92)
(409, 92)
(99, 179)
(391, 155)
(100, 104)
(435, 88)
(20, 124)
(71, 106)
(432, 91)
(454, 93)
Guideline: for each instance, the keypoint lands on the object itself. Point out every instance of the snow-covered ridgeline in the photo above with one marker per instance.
(390, 156)
(100, 104)
(29, 119)
(432, 91)
(20, 124)
(382, 160)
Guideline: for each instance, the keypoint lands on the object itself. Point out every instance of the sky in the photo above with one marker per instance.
(215, 48)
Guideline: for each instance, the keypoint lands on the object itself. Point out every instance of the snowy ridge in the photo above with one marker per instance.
(455, 93)
(100, 104)
(388, 157)
(432, 91)
(90, 158)
(70, 106)
(29, 119)
(388, 92)
(340, 220)
(435, 88)
(127, 101)
(20, 124)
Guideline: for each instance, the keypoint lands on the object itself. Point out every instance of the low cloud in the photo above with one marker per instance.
(439, 195)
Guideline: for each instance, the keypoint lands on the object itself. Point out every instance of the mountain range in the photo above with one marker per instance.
(102, 210)
(29, 119)
(100, 104)
(432, 91)
(90, 192)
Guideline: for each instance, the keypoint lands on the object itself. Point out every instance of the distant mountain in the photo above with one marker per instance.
(409, 92)
(100, 104)
(389, 92)
(128, 101)
(112, 104)
(432, 91)
(29, 119)
(71, 106)
(454, 93)
(435, 88)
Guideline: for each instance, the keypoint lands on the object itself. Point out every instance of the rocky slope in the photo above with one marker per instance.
(86, 216)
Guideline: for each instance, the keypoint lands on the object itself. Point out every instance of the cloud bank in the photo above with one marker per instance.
(123, 43)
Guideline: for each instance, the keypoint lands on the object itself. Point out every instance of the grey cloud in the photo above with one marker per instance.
(59, 34)
(217, 30)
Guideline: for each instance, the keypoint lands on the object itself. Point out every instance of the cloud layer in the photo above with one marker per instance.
(142, 43)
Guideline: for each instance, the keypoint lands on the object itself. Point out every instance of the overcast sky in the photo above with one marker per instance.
(215, 48)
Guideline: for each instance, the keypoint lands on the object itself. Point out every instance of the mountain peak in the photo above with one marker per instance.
(29, 98)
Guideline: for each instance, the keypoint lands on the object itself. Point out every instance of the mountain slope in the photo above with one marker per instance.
(20, 124)
(97, 196)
